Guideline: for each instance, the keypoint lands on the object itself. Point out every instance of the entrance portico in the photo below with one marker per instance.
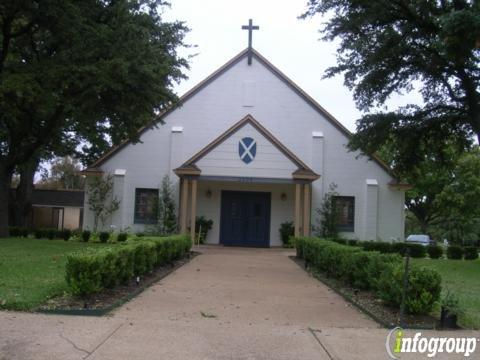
(262, 165)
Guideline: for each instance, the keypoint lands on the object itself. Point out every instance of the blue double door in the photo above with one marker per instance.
(245, 219)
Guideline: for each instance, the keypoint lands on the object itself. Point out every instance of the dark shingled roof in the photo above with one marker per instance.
(59, 198)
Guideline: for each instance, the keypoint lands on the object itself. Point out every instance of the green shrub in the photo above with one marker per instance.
(367, 268)
(83, 272)
(104, 236)
(417, 251)
(14, 231)
(24, 232)
(140, 234)
(424, 288)
(86, 235)
(66, 234)
(121, 237)
(434, 251)
(352, 242)
(92, 270)
(286, 230)
(471, 253)
(380, 246)
(399, 248)
(203, 226)
(372, 270)
(39, 233)
(455, 252)
(50, 233)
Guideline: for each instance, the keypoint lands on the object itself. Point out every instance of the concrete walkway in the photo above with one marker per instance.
(227, 303)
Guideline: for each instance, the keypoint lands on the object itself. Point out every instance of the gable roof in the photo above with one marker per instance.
(189, 167)
(47, 197)
(307, 98)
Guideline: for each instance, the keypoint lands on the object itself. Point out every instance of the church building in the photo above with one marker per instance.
(250, 150)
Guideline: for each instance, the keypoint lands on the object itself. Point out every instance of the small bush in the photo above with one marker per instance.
(417, 251)
(139, 234)
(471, 253)
(66, 234)
(86, 235)
(14, 231)
(380, 246)
(286, 231)
(104, 236)
(39, 233)
(434, 251)
(121, 237)
(92, 270)
(341, 241)
(399, 248)
(424, 288)
(24, 232)
(50, 233)
(455, 252)
(352, 242)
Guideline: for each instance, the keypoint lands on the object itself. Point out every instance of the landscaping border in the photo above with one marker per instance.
(142, 287)
(349, 299)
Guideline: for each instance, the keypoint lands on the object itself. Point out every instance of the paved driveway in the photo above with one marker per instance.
(227, 303)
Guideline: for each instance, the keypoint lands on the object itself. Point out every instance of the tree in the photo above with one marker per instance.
(166, 215)
(80, 73)
(64, 173)
(328, 214)
(386, 47)
(457, 202)
(101, 200)
(443, 188)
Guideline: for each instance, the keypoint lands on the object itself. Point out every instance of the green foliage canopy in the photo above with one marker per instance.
(85, 73)
(387, 47)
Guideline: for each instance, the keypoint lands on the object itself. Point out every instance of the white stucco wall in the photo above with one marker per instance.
(269, 162)
(221, 104)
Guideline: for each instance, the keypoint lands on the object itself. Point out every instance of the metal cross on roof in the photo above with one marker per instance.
(250, 27)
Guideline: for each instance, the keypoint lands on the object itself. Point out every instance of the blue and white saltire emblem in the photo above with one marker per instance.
(247, 149)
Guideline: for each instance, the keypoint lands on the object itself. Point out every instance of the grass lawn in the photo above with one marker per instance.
(462, 278)
(32, 270)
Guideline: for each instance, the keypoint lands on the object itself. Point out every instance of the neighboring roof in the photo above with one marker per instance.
(396, 184)
(189, 167)
(219, 72)
(72, 198)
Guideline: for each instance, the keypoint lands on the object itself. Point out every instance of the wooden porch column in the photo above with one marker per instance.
(297, 218)
(306, 210)
(184, 207)
(193, 214)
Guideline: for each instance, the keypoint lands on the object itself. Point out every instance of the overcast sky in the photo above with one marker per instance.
(292, 45)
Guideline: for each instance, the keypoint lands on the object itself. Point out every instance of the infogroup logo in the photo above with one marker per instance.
(398, 343)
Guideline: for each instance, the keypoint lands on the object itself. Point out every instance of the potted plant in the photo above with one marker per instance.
(203, 226)
(287, 230)
(450, 311)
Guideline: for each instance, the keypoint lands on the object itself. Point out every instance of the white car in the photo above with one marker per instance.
(420, 239)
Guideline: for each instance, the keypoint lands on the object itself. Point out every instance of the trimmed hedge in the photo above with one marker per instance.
(471, 253)
(92, 270)
(380, 246)
(455, 252)
(15, 231)
(434, 251)
(372, 270)
(424, 288)
(416, 250)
